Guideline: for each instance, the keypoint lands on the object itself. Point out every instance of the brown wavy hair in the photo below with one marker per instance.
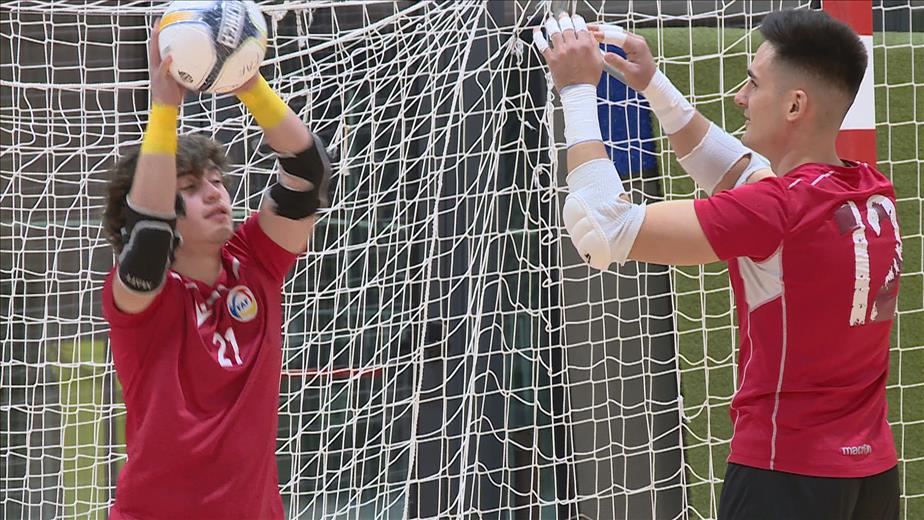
(193, 154)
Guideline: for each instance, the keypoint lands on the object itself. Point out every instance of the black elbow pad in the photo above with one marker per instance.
(149, 242)
(293, 204)
(312, 165)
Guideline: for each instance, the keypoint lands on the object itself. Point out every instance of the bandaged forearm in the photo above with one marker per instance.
(758, 162)
(160, 134)
(579, 103)
(264, 103)
(602, 225)
(672, 109)
(710, 160)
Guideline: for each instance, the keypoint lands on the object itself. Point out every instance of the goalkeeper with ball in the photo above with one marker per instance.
(195, 309)
(814, 255)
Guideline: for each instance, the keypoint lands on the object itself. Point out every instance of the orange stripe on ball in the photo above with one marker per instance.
(176, 16)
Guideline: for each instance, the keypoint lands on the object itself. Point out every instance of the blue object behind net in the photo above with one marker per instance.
(626, 129)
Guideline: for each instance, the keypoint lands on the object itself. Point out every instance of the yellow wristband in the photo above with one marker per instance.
(266, 106)
(160, 136)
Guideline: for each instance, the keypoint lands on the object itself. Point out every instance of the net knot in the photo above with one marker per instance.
(515, 47)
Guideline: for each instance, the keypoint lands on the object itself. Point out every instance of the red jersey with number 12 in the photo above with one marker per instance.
(200, 371)
(814, 259)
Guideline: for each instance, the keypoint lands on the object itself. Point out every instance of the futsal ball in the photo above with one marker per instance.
(216, 46)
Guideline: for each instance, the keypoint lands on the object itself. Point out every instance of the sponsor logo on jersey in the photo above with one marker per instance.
(241, 304)
(863, 449)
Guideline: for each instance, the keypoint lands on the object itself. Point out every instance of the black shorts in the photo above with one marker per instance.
(760, 494)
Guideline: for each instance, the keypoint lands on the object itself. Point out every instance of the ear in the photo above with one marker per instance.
(798, 105)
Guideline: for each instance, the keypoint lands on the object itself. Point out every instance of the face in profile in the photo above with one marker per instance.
(207, 220)
(765, 105)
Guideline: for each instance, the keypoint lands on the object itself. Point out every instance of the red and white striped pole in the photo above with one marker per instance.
(857, 139)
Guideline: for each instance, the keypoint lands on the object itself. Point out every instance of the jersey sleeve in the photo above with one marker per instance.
(252, 244)
(120, 319)
(132, 336)
(748, 221)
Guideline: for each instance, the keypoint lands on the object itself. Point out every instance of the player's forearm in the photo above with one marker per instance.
(287, 213)
(291, 136)
(598, 215)
(154, 185)
(712, 157)
(150, 214)
(685, 140)
(710, 171)
(305, 163)
(585, 152)
(284, 131)
(582, 127)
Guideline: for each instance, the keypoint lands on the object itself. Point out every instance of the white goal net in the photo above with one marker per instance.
(446, 353)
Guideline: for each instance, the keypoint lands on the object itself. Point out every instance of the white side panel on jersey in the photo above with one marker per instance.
(763, 281)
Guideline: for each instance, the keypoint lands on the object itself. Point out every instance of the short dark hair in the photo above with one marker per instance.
(818, 44)
(193, 154)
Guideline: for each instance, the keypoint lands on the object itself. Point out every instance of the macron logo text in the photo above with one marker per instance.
(863, 449)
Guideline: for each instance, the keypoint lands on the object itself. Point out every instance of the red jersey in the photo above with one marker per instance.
(200, 371)
(814, 259)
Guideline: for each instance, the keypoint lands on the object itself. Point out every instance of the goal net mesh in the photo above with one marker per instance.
(446, 353)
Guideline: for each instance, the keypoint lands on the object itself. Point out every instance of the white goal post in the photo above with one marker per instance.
(446, 353)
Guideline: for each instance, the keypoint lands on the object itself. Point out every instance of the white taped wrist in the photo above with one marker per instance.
(602, 225)
(579, 103)
(672, 109)
(711, 159)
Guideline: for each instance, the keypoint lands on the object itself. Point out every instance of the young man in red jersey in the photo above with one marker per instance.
(814, 255)
(195, 310)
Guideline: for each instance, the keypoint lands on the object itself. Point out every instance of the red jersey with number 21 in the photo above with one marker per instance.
(200, 373)
(814, 259)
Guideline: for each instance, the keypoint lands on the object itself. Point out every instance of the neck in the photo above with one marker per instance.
(200, 266)
(802, 149)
